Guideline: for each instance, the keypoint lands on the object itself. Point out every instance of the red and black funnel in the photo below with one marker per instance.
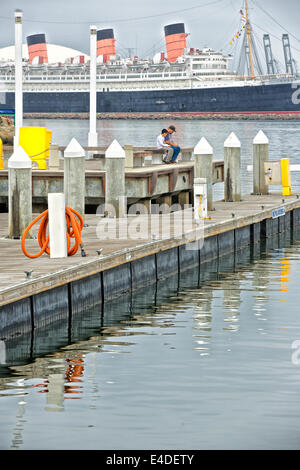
(175, 41)
(106, 44)
(37, 47)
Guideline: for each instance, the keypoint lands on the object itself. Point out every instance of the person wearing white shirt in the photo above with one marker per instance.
(161, 144)
(161, 140)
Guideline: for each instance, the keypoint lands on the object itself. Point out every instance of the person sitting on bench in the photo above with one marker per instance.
(161, 144)
(169, 141)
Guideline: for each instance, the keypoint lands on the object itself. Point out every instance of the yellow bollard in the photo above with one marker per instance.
(286, 177)
(1, 155)
(36, 143)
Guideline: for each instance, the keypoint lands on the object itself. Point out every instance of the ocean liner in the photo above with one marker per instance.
(180, 80)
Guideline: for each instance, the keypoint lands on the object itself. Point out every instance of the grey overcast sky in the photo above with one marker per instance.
(139, 25)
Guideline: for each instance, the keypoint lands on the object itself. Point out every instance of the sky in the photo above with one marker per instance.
(138, 25)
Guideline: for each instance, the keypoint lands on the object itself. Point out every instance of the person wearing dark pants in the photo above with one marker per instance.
(169, 141)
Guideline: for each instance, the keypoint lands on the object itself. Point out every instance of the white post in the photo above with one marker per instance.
(203, 156)
(115, 197)
(57, 225)
(93, 137)
(18, 76)
(74, 176)
(19, 193)
(200, 198)
(232, 169)
(260, 156)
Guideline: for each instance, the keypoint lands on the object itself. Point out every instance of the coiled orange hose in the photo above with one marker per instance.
(74, 223)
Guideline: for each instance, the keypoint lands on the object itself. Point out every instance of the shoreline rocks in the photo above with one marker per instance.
(7, 130)
(174, 116)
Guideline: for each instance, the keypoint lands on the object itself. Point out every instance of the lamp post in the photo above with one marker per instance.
(18, 76)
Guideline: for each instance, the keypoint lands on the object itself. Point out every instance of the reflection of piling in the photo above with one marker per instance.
(55, 391)
(203, 154)
(19, 193)
(232, 169)
(260, 156)
(115, 179)
(74, 176)
(231, 303)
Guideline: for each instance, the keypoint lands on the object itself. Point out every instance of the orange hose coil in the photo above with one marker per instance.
(74, 223)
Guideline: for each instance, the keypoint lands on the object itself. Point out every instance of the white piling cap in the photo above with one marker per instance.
(261, 138)
(74, 149)
(115, 150)
(19, 159)
(203, 147)
(200, 180)
(18, 13)
(232, 141)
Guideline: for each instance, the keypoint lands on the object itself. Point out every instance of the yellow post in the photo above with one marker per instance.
(286, 177)
(36, 143)
(1, 155)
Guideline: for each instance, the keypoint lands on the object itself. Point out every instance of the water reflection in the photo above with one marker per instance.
(232, 303)
(17, 438)
(66, 385)
(195, 319)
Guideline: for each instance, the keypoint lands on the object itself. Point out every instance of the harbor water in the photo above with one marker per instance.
(208, 359)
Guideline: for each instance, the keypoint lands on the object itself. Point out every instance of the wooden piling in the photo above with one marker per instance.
(203, 154)
(260, 156)
(74, 176)
(115, 200)
(232, 169)
(128, 156)
(19, 193)
(53, 162)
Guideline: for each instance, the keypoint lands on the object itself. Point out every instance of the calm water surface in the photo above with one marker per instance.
(207, 360)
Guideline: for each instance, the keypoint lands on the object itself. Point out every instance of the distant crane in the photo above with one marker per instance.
(269, 55)
(289, 62)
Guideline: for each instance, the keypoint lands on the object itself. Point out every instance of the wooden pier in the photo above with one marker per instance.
(126, 250)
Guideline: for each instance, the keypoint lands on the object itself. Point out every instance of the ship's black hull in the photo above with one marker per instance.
(263, 98)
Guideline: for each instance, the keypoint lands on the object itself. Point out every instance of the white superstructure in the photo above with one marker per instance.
(194, 69)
